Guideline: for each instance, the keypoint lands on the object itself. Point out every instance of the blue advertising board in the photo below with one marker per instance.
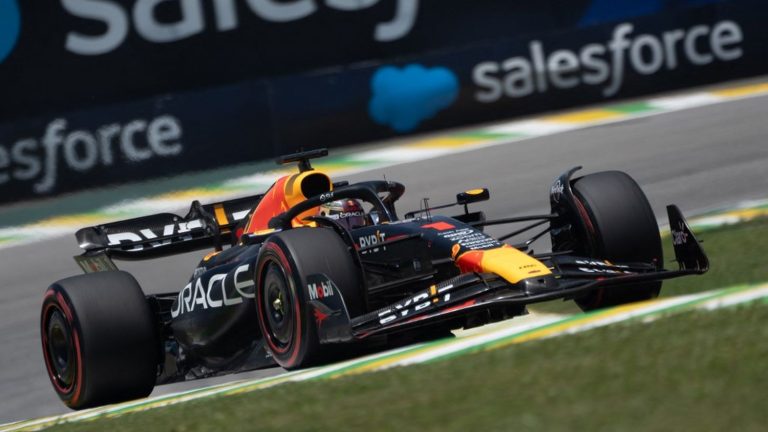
(99, 91)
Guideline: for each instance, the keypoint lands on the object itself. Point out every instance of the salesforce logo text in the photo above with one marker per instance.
(37, 160)
(604, 64)
(117, 19)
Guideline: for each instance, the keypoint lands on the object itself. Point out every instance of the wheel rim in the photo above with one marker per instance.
(278, 307)
(60, 349)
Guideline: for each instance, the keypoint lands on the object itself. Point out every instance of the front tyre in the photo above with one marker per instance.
(99, 340)
(285, 317)
(620, 226)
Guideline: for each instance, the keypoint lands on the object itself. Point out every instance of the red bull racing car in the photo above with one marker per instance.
(312, 268)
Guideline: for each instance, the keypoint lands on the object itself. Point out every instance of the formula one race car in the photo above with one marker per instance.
(315, 269)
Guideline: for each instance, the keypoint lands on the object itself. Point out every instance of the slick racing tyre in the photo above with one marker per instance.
(621, 227)
(100, 343)
(285, 317)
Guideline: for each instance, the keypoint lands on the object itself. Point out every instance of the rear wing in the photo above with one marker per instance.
(163, 234)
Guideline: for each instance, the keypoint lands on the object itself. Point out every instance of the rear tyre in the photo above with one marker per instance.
(621, 227)
(99, 339)
(285, 317)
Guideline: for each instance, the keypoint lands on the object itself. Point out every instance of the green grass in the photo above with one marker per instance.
(737, 254)
(702, 371)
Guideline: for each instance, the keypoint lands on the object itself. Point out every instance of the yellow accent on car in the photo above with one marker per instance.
(512, 265)
(211, 255)
(262, 232)
(301, 186)
(221, 215)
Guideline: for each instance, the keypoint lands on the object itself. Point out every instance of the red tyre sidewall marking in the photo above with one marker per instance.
(262, 319)
(584, 216)
(61, 304)
(296, 345)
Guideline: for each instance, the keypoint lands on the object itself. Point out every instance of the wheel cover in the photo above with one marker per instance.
(277, 304)
(60, 349)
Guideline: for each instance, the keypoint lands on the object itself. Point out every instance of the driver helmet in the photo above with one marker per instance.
(348, 213)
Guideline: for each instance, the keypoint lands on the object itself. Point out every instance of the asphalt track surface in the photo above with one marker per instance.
(698, 158)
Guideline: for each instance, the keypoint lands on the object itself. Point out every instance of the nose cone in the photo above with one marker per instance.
(506, 261)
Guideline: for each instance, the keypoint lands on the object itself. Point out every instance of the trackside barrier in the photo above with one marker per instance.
(166, 90)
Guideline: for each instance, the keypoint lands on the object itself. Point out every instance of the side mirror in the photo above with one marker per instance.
(473, 196)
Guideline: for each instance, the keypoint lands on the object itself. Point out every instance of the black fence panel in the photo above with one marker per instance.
(105, 91)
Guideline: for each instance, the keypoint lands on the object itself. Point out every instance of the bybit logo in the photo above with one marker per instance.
(10, 26)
